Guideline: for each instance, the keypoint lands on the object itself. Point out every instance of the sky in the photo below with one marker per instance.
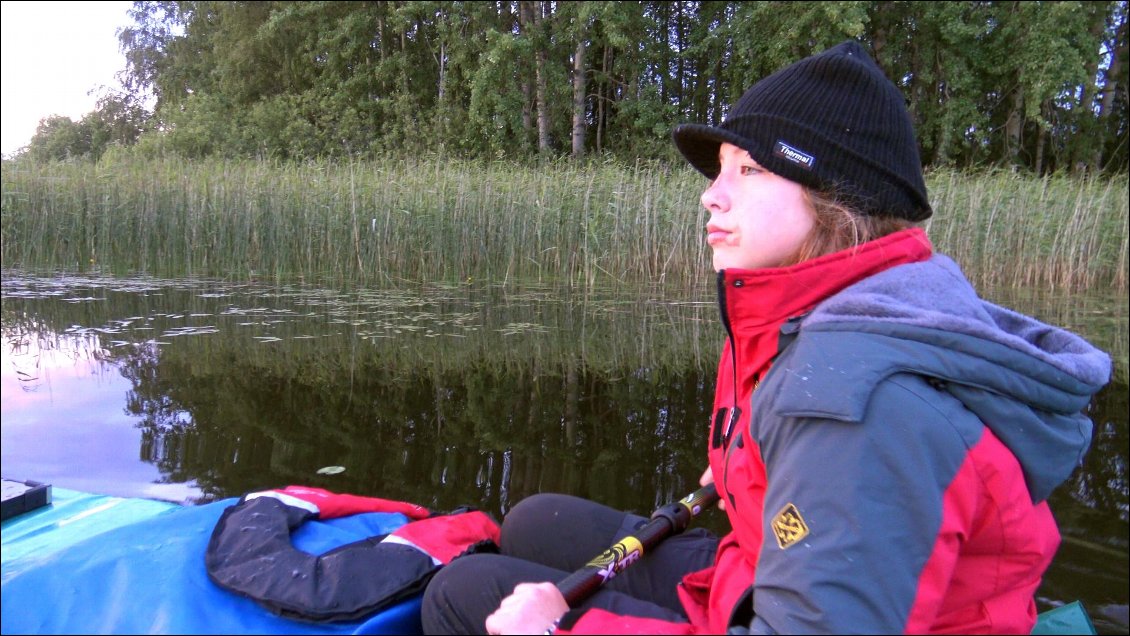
(52, 54)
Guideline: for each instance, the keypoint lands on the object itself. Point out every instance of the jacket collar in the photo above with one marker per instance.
(753, 299)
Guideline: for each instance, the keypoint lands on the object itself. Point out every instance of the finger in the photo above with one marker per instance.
(707, 477)
(492, 624)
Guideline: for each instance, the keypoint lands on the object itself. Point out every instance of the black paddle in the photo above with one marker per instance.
(671, 519)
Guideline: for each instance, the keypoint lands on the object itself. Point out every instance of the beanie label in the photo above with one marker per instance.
(788, 153)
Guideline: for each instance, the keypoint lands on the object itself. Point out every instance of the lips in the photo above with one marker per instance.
(716, 235)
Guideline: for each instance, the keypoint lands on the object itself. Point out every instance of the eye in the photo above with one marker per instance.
(748, 170)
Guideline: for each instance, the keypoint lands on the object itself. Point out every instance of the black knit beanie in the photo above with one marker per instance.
(832, 122)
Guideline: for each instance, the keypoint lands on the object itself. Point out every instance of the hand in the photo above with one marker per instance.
(708, 478)
(531, 609)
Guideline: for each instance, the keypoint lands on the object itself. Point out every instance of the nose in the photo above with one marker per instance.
(715, 198)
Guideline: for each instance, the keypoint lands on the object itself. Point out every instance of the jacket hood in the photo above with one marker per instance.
(1027, 381)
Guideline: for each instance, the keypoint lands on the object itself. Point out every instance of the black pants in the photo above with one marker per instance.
(545, 538)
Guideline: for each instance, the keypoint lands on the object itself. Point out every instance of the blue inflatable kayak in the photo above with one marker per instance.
(93, 564)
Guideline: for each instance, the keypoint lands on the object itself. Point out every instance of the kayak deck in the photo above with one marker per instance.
(96, 564)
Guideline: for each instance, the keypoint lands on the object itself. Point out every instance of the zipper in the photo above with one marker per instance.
(739, 442)
(722, 432)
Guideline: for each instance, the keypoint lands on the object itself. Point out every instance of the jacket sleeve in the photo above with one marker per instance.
(854, 510)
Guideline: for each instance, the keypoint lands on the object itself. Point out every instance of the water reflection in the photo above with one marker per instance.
(63, 420)
(444, 395)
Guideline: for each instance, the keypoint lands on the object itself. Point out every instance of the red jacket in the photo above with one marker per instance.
(969, 562)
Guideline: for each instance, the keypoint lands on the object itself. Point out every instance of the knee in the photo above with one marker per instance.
(452, 602)
(535, 506)
(535, 515)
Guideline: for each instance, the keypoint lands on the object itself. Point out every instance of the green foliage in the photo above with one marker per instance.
(1039, 86)
(117, 121)
(641, 126)
(496, 103)
(204, 125)
(58, 138)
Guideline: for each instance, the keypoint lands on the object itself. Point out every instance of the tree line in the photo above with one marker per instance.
(1036, 86)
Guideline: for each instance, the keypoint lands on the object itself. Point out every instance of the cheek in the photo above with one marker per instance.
(796, 218)
(778, 233)
(797, 225)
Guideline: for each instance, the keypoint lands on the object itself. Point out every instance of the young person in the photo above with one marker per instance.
(884, 441)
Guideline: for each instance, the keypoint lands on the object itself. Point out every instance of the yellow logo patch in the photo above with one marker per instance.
(789, 527)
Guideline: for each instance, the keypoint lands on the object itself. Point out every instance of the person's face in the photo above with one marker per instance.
(757, 218)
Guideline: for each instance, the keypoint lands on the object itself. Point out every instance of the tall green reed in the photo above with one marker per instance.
(1009, 230)
(392, 221)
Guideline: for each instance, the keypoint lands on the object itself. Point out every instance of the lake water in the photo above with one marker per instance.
(445, 395)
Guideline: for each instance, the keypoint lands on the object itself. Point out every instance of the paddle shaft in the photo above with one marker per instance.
(671, 519)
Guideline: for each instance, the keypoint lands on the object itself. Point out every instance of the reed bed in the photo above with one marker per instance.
(393, 221)
(1054, 233)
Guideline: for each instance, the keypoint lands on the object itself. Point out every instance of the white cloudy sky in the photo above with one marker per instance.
(53, 54)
